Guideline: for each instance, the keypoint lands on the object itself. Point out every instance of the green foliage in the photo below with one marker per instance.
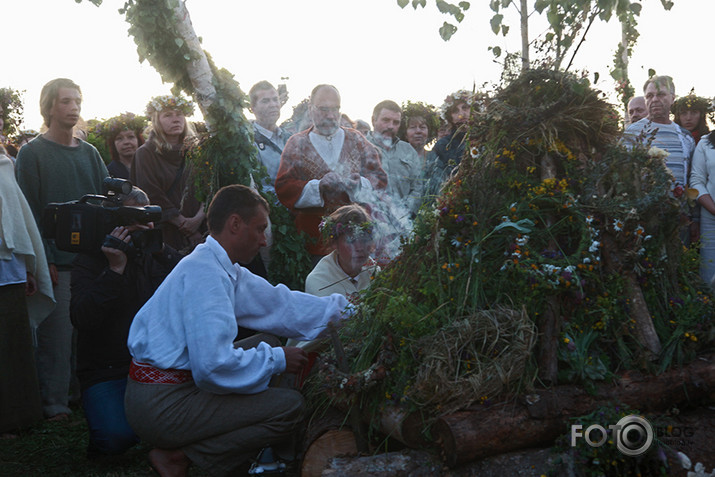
(547, 212)
(11, 104)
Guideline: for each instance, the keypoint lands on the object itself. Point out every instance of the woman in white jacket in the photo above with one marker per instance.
(702, 179)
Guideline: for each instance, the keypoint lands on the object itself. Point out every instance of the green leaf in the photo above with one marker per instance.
(419, 3)
(651, 72)
(504, 29)
(447, 30)
(636, 8)
(179, 42)
(494, 5)
(464, 5)
(496, 51)
(595, 77)
(495, 22)
(523, 226)
(667, 4)
(402, 3)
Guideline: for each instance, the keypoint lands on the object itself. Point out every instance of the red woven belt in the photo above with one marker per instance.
(145, 373)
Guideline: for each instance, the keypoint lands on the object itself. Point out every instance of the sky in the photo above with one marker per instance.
(370, 50)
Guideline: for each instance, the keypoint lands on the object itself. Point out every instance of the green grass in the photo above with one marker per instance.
(59, 449)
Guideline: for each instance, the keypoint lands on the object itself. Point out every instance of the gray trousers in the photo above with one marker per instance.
(54, 352)
(218, 432)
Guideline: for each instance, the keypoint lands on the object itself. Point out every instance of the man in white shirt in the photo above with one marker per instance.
(191, 394)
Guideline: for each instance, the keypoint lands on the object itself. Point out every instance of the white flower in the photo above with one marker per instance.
(522, 240)
(658, 153)
(647, 237)
(586, 260)
(617, 225)
(589, 219)
(594, 247)
(640, 230)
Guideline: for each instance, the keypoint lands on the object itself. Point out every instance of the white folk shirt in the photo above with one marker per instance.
(192, 319)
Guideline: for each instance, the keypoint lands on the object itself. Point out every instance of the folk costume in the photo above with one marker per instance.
(189, 388)
(21, 252)
(307, 157)
(164, 176)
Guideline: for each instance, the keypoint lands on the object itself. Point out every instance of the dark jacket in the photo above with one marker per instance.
(102, 308)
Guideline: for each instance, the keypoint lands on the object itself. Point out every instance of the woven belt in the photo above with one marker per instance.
(147, 374)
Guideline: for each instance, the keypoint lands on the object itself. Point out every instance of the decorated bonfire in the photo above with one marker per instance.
(549, 268)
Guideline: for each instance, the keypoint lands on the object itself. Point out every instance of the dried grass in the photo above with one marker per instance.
(480, 355)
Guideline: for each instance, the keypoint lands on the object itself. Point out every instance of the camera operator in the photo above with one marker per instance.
(108, 288)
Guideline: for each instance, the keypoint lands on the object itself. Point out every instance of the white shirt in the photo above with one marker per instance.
(329, 150)
(192, 319)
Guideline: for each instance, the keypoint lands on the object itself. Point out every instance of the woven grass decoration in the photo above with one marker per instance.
(474, 356)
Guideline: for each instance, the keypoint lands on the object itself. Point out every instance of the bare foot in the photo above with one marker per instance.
(169, 462)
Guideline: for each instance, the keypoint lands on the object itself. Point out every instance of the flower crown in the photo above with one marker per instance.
(457, 97)
(124, 122)
(691, 101)
(331, 230)
(168, 101)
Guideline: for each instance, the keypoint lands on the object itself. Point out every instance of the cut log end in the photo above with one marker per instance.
(331, 444)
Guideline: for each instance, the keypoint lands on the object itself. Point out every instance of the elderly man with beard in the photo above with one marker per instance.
(399, 160)
(325, 167)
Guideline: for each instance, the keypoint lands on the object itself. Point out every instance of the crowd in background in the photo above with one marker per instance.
(353, 187)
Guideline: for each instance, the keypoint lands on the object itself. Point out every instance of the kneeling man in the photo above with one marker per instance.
(191, 394)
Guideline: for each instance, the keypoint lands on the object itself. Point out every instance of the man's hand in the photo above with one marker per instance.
(30, 285)
(334, 189)
(116, 258)
(54, 276)
(296, 358)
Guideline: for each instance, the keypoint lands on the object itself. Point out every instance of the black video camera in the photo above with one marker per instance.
(83, 226)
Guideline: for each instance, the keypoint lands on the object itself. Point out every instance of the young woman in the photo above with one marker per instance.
(160, 169)
(349, 267)
(691, 113)
(123, 135)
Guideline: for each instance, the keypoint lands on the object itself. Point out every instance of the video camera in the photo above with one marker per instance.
(84, 226)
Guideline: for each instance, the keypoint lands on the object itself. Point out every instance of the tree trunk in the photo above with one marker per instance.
(474, 434)
(524, 14)
(644, 330)
(198, 69)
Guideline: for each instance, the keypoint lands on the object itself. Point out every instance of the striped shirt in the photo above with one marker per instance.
(670, 137)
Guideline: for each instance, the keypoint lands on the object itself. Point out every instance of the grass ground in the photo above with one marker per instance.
(52, 449)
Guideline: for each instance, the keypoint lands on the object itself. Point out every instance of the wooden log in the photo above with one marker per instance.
(335, 442)
(473, 434)
(402, 426)
(549, 325)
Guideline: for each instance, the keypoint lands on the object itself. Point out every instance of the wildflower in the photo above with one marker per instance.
(617, 225)
(658, 153)
(640, 230)
(594, 247)
(474, 152)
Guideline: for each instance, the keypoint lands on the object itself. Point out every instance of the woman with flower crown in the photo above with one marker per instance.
(160, 169)
(123, 135)
(691, 113)
(349, 267)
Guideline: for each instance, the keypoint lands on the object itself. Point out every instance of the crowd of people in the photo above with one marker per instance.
(149, 342)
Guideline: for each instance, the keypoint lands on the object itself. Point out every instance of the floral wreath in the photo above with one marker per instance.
(457, 97)
(168, 101)
(331, 230)
(124, 122)
(692, 101)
